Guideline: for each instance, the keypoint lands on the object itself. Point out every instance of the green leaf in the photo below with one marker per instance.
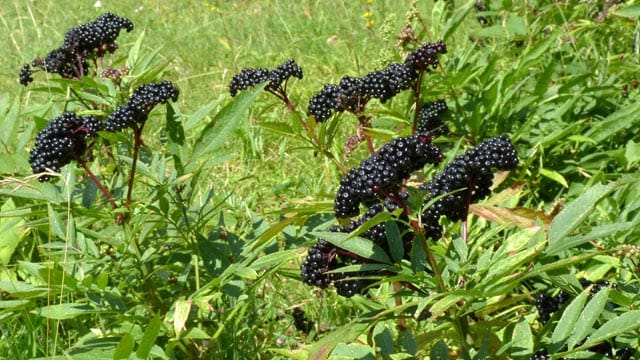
(597, 232)
(588, 317)
(623, 118)
(440, 351)
(522, 342)
(321, 349)
(626, 322)
(125, 347)
(516, 25)
(555, 176)
(394, 238)
(631, 11)
(456, 19)
(55, 224)
(357, 245)
(149, 337)
(225, 122)
(64, 311)
(180, 315)
(11, 232)
(567, 323)
(632, 152)
(576, 212)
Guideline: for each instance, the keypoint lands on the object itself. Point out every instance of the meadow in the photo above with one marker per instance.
(182, 235)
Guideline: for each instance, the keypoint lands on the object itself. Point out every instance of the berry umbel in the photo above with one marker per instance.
(144, 98)
(353, 93)
(91, 40)
(62, 140)
(382, 174)
(465, 180)
(277, 78)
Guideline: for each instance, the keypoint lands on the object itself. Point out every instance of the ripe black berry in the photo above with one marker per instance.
(425, 58)
(25, 75)
(300, 321)
(142, 101)
(98, 36)
(250, 77)
(429, 121)
(466, 179)
(382, 173)
(93, 39)
(322, 104)
(315, 266)
(62, 140)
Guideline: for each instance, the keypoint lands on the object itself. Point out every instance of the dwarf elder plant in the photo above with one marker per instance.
(470, 197)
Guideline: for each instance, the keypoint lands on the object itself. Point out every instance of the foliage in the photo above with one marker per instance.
(200, 257)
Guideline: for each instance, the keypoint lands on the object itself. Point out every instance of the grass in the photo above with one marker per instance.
(206, 262)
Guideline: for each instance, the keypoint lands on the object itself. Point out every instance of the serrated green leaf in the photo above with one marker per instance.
(321, 349)
(555, 176)
(180, 315)
(11, 232)
(522, 342)
(394, 238)
(626, 322)
(125, 347)
(623, 118)
(225, 122)
(55, 224)
(630, 11)
(440, 351)
(597, 232)
(588, 317)
(456, 19)
(632, 152)
(567, 322)
(576, 212)
(357, 245)
(149, 338)
(64, 311)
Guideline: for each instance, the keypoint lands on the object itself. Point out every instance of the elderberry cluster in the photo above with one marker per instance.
(250, 77)
(300, 321)
(70, 60)
(465, 180)
(352, 93)
(144, 98)
(324, 257)
(429, 120)
(62, 140)
(381, 174)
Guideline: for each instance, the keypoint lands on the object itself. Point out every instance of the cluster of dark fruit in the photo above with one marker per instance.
(324, 257)
(65, 137)
(465, 180)
(429, 120)
(352, 93)
(62, 140)
(378, 185)
(144, 98)
(382, 174)
(277, 77)
(300, 321)
(70, 60)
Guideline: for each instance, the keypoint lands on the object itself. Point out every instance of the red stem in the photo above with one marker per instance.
(104, 190)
